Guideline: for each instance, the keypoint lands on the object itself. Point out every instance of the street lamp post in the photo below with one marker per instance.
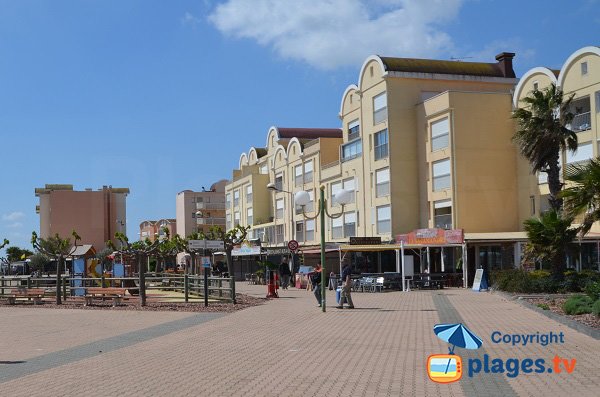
(342, 197)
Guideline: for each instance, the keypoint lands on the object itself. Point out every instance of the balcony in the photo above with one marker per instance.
(210, 221)
(443, 221)
(581, 122)
(210, 206)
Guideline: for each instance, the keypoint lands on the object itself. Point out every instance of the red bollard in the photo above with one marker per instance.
(272, 285)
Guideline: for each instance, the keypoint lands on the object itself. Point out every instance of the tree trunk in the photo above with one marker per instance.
(59, 265)
(555, 185)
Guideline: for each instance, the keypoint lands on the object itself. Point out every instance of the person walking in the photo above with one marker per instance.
(346, 286)
(315, 279)
(285, 273)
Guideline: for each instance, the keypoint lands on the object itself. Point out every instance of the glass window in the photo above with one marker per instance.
(381, 144)
(382, 182)
(335, 187)
(249, 193)
(249, 217)
(349, 224)
(584, 68)
(236, 218)
(441, 175)
(263, 169)
(352, 150)
(349, 185)
(310, 230)
(584, 152)
(279, 230)
(384, 219)
(279, 181)
(353, 130)
(228, 200)
(298, 175)
(308, 171)
(439, 134)
(279, 209)
(300, 231)
(379, 108)
(337, 228)
(236, 198)
(442, 214)
(228, 225)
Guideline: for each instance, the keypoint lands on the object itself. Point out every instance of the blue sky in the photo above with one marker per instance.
(161, 96)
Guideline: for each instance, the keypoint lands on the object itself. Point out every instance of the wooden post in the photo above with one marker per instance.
(186, 287)
(232, 286)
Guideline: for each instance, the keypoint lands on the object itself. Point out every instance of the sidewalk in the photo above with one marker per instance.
(286, 347)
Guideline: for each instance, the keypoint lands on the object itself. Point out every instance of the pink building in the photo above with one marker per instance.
(153, 229)
(95, 215)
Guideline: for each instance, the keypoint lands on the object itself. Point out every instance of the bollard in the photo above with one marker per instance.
(186, 287)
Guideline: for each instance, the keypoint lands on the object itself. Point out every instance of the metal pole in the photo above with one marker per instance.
(58, 280)
(206, 286)
(323, 271)
(142, 270)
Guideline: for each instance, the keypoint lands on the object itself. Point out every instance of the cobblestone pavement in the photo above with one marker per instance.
(286, 347)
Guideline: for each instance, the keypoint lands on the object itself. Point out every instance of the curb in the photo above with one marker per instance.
(577, 326)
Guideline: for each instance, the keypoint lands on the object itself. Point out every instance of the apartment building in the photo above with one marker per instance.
(153, 230)
(199, 211)
(96, 215)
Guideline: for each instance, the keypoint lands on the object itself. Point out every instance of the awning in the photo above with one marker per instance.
(370, 248)
(318, 250)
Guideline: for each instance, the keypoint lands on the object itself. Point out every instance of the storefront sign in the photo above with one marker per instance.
(246, 248)
(365, 240)
(432, 237)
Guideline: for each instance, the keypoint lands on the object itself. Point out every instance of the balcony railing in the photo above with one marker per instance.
(210, 221)
(210, 206)
(443, 221)
(581, 122)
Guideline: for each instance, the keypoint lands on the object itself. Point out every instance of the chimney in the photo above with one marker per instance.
(505, 63)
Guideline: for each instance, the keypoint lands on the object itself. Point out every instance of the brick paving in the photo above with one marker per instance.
(286, 347)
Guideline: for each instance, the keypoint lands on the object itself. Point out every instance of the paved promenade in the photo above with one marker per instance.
(286, 347)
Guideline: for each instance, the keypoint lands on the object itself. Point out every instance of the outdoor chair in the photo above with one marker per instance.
(366, 283)
(378, 283)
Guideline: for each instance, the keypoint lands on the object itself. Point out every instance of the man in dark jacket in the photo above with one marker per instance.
(346, 286)
(285, 273)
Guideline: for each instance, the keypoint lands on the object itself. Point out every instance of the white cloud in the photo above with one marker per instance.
(14, 225)
(332, 33)
(190, 20)
(13, 216)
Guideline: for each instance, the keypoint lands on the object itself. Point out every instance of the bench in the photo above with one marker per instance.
(116, 294)
(35, 294)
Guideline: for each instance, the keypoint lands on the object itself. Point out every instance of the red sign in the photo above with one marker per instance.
(432, 237)
(293, 245)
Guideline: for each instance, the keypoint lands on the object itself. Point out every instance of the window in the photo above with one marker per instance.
(249, 193)
(264, 170)
(584, 152)
(442, 214)
(236, 198)
(228, 200)
(532, 205)
(348, 184)
(597, 101)
(349, 224)
(584, 68)
(279, 209)
(535, 85)
(337, 228)
(279, 181)
(249, 217)
(279, 233)
(353, 130)
(382, 182)
(236, 218)
(352, 150)
(310, 230)
(228, 221)
(335, 187)
(298, 175)
(300, 231)
(384, 219)
(439, 134)
(441, 175)
(308, 171)
(379, 108)
(381, 144)
(199, 199)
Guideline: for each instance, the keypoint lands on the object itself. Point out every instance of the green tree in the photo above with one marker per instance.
(582, 195)
(57, 248)
(103, 257)
(549, 236)
(38, 261)
(17, 254)
(542, 134)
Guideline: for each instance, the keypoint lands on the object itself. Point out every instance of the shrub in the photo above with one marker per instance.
(578, 304)
(593, 290)
(543, 306)
(596, 308)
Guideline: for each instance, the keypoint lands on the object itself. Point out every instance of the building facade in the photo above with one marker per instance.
(153, 230)
(199, 211)
(95, 215)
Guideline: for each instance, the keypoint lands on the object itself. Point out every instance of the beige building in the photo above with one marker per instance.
(95, 215)
(199, 211)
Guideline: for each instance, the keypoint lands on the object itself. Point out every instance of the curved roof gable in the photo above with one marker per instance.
(309, 133)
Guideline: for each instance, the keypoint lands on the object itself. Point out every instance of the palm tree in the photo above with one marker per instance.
(582, 196)
(549, 237)
(542, 134)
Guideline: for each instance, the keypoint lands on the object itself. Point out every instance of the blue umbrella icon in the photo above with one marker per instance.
(457, 335)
